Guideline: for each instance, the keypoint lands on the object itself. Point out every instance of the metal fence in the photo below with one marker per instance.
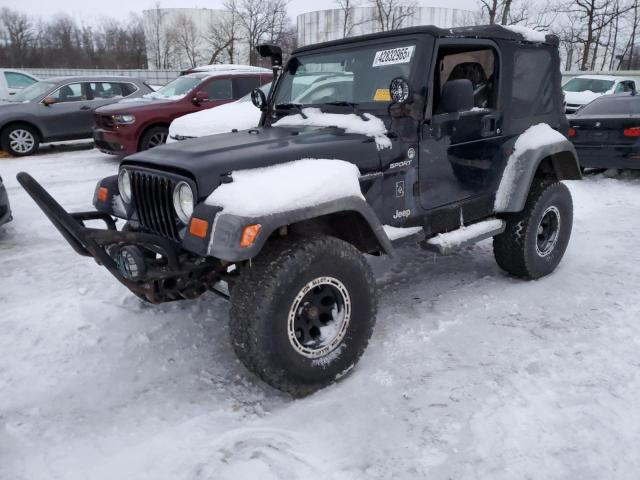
(161, 77)
(152, 77)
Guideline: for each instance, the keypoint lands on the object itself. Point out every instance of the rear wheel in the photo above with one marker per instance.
(20, 140)
(534, 240)
(302, 313)
(154, 137)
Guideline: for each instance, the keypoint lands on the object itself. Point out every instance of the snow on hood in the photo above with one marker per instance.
(278, 188)
(236, 115)
(529, 34)
(534, 137)
(351, 123)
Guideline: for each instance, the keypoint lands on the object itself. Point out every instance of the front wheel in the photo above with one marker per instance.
(534, 240)
(302, 313)
(20, 140)
(154, 137)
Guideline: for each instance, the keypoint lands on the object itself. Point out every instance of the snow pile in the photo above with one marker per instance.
(238, 115)
(292, 185)
(351, 123)
(529, 34)
(465, 234)
(395, 233)
(534, 137)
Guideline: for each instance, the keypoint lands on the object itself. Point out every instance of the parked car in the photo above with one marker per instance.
(224, 68)
(129, 127)
(242, 114)
(5, 208)
(59, 109)
(606, 132)
(583, 89)
(13, 81)
(285, 212)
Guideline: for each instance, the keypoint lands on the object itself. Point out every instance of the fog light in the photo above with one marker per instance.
(130, 261)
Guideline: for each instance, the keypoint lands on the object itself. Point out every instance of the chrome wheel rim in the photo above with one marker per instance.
(319, 317)
(157, 139)
(21, 140)
(548, 231)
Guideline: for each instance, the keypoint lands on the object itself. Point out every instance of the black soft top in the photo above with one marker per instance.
(480, 31)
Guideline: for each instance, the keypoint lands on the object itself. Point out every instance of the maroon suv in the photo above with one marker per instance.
(129, 126)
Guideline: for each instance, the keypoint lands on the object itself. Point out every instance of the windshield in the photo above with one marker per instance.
(615, 105)
(177, 89)
(359, 75)
(33, 92)
(594, 85)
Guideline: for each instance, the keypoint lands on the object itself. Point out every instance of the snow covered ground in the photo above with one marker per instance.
(470, 373)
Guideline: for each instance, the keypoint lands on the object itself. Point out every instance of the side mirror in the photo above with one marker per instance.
(259, 99)
(457, 96)
(46, 101)
(200, 97)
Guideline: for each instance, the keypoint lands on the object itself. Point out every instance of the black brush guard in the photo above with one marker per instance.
(93, 242)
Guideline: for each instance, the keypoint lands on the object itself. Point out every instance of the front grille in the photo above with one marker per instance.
(104, 121)
(153, 201)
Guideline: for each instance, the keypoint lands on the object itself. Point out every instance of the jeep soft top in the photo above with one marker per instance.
(448, 136)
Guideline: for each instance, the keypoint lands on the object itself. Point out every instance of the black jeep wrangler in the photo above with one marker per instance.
(451, 136)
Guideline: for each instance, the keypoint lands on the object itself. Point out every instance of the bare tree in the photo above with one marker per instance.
(347, 8)
(393, 14)
(20, 34)
(490, 7)
(185, 34)
(221, 37)
(157, 35)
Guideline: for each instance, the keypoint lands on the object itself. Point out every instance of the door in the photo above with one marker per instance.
(71, 114)
(458, 149)
(218, 91)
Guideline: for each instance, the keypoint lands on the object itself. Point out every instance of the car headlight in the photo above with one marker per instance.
(124, 119)
(183, 201)
(124, 185)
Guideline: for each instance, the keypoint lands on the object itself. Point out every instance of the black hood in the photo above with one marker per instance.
(206, 159)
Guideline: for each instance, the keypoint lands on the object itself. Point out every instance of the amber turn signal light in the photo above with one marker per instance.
(249, 235)
(103, 194)
(198, 227)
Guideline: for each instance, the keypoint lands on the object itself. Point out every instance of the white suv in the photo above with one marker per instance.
(12, 81)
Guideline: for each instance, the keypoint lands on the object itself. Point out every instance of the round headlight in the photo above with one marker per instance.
(183, 201)
(124, 185)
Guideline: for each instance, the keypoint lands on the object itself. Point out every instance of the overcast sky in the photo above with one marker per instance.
(92, 10)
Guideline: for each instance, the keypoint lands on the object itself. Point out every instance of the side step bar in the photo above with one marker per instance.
(446, 243)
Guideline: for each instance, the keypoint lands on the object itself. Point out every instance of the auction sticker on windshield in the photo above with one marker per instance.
(393, 56)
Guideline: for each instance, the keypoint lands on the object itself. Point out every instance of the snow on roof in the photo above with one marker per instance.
(603, 77)
(351, 123)
(222, 68)
(292, 185)
(534, 137)
(529, 34)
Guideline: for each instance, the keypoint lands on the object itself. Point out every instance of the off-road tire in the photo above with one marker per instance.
(263, 298)
(517, 250)
(19, 129)
(151, 135)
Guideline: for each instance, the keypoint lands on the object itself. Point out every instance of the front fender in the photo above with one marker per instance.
(559, 158)
(225, 231)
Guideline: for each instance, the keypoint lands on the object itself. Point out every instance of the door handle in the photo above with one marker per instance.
(85, 107)
(489, 125)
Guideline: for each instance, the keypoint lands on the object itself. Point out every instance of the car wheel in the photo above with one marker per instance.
(534, 240)
(20, 140)
(154, 137)
(302, 312)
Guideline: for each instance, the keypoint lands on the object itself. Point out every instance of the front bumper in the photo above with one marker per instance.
(115, 142)
(97, 243)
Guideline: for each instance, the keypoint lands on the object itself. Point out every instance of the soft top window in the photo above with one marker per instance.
(532, 82)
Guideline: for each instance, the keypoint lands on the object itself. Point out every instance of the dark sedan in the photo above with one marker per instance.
(60, 109)
(5, 210)
(606, 132)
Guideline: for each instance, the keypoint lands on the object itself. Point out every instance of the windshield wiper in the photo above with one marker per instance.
(354, 106)
(297, 107)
